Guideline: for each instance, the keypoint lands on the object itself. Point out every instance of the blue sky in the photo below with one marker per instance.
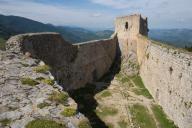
(101, 13)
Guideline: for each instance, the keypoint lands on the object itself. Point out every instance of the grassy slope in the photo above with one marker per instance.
(141, 116)
(2, 43)
(161, 117)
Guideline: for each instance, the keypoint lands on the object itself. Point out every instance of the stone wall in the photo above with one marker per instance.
(136, 24)
(165, 71)
(167, 74)
(72, 65)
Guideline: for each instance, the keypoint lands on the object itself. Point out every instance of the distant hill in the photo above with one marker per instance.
(176, 37)
(12, 25)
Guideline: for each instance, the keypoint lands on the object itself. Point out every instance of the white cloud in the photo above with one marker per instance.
(128, 4)
(161, 13)
(96, 15)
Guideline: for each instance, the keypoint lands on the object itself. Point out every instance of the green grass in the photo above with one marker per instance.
(105, 93)
(122, 124)
(84, 124)
(106, 111)
(161, 117)
(29, 81)
(45, 80)
(125, 79)
(5, 122)
(138, 81)
(48, 81)
(42, 69)
(42, 105)
(141, 90)
(67, 112)
(40, 78)
(119, 75)
(39, 123)
(2, 43)
(141, 116)
(59, 97)
(122, 78)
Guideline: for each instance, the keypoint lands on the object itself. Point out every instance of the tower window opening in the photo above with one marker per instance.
(126, 25)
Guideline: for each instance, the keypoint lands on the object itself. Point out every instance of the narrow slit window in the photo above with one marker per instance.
(126, 25)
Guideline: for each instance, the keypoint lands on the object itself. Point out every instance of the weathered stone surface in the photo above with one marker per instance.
(167, 74)
(165, 71)
(18, 102)
(72, 65)
(127, 36)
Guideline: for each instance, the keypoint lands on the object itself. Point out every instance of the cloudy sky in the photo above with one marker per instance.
(101, 13)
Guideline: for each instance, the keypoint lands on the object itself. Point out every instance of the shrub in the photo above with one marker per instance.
(40, 123)
(84, 124)
(42, 105)
(42, 69)
(48, 81)
(68, 112)
(5, 122)
(59, 98)
(29, 81)
(40, 78)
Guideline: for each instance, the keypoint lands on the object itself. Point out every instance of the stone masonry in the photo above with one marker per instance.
(165, 71)
(73, 66)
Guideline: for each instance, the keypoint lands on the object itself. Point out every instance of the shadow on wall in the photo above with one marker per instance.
(84, 97)
(60, 58)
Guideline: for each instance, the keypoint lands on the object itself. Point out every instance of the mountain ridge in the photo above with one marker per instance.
(175, 37)
(12, 25)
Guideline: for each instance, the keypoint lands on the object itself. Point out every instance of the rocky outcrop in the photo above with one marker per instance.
(22, 102)
(72, 65)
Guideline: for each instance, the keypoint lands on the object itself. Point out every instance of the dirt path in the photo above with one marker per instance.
(121, 98)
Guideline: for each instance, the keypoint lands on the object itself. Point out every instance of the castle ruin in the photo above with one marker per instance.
(165, 71)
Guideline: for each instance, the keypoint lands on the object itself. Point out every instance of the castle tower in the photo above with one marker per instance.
(127, 29)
